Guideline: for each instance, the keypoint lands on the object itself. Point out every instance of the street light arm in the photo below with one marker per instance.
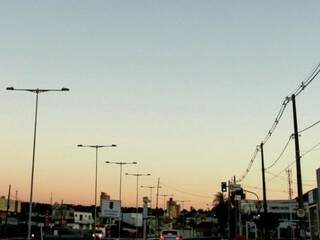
(38, 90)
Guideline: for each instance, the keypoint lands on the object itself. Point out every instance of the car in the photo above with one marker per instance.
(99, 234)
(170, 235)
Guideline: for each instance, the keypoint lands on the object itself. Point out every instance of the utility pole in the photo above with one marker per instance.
(157, 208)
(8, 207)
(229, 211)
(265, 207)
(290, 190)
(301, 211)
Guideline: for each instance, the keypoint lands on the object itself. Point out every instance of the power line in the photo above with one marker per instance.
(285, 179)
(309, 79)
(185, 192)
(284, 104)
(314, 148)
(250, 165)
(312, 125)
(271, 190)
(281, 154)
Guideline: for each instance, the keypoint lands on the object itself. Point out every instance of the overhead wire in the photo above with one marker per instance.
(250, 165)
(281, 154)
(311, 126)
(283, 107)
(185, 192)
(314, 148)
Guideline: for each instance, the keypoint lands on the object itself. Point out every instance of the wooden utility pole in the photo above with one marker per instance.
(265, 206)
(157, 208)
(8, 207)
(301, 209)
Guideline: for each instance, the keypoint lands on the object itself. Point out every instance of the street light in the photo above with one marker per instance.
(120, 164)
(150, 188)
(137, 175)
(36, 91)
(96, 177)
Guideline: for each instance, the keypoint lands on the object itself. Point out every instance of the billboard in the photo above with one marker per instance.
(110, 208)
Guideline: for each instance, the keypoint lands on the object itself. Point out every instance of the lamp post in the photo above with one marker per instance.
(150, 188)
(120, 164)
(137, 175)
(36, 91)
(96, 147)
(183, 217)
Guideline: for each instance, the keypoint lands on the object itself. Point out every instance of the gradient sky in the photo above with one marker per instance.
(185, 88)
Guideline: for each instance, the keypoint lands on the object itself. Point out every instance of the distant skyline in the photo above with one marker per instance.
(185, 88)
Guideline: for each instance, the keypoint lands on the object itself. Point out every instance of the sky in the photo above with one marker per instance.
(185, 88)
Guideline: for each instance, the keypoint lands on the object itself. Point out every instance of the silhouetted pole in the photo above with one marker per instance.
(298, 163)
(96, 147)
(229, 212)
(120, 191)
(36, 91)
(157, 208)
(8, 207)
(137, 175)
(265, 207)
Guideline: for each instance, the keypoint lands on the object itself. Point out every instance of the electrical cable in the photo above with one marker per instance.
(285, 102)
(185, 192)
(314, 148)
(281, 154)
(307, 128)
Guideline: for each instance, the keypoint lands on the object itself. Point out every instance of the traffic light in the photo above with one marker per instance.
(223, 186)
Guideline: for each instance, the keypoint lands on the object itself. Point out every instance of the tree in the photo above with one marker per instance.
(220, 209)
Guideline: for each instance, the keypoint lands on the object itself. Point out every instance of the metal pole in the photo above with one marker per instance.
(95, 195)
(8, 207)
(32, 168)
(120, 217)
(151, 197)
(229, 212)
(298, 163)
(157, 208)
(137, 198)
(265, 207)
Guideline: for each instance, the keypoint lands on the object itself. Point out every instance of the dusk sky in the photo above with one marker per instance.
(185, 88)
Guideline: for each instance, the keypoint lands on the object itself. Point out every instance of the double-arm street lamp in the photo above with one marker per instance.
(120, 164)
(137, 175)
(36, 91)
(96, 177)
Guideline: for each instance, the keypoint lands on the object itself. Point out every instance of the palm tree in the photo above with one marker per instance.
(220, 209)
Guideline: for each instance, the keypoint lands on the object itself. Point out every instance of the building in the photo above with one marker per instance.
(283, 210)
(14, 209)
(173, 209)
(82, 220)
(133, 219)
(314, 209)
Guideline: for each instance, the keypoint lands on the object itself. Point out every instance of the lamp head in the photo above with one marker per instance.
(134, 162)
(10, 88)
(80, 145)
(65, 89)
(113, 145)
